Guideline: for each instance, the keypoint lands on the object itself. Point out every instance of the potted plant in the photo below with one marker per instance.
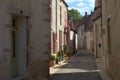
(59, 56)
(65, 56)
(52, 60)
(62, 54)
(57, 60)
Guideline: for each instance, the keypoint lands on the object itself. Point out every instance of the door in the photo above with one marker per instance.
(19, 40)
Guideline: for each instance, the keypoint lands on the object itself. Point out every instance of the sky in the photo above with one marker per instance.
(81, 5)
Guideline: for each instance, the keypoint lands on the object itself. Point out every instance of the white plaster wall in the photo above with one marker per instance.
(71, 35)
(76, 42)
(71, 41)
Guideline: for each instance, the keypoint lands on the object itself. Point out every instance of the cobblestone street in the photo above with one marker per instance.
(81, 67)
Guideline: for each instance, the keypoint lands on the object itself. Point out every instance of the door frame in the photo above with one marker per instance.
(27, 40)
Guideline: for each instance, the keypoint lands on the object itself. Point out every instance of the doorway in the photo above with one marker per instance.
(19, 45)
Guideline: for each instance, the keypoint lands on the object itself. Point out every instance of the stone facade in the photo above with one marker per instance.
(110, 37)
(85, 32)
(53, 27)
(97, 38)
(89, 40)
(73, 42)
(63, 22)
(58, 24)
(81, 37)
(73, 36)
(24, 39)
(97, 29)
(89, 31)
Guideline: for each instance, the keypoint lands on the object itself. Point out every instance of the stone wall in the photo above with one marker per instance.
(111, 11)
(38, 50)
(5, 41)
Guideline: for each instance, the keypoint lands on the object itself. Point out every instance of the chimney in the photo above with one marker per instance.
(91, 12)
(86, 14)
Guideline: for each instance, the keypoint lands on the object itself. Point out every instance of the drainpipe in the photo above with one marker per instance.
(102, 47)
(56, 27)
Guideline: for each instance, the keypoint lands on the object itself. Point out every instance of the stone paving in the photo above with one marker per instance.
(81, 67)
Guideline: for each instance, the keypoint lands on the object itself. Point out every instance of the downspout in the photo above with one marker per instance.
(56, 27)
(102, 47)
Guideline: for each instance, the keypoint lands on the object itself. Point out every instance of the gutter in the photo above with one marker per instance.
(65, 3)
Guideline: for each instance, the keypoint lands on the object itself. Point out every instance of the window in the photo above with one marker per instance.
(13, 38)
(54, 42)
(109, 35)
(60, 15)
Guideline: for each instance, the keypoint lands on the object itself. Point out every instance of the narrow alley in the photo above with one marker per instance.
(80, 67)
(59, 40)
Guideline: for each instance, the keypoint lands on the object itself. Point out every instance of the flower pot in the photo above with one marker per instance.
(52, 63)
(57, 61)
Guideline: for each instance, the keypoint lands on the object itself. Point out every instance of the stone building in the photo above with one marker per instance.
(111, 37)
(62, 23)
(97, 18)
(88, 31)
(53, 26)
(81, 37)
(58, 24)
(24, 39)
(73, 36)
(85, 32)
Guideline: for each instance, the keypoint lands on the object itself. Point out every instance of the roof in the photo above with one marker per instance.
(98, 2)
(75, 24)
(88, 22)
(98, 10)
(97, 14)
(65, 3)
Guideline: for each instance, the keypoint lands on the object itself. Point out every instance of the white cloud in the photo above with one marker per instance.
(81, 5)
(91, 1)
(82, 10)
(71, 1)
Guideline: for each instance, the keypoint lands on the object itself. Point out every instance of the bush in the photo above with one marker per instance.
(52, 57)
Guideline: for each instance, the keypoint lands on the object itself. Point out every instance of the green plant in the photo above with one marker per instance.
(56, 60)
(62, 52)
(52, 57)
(59, 53)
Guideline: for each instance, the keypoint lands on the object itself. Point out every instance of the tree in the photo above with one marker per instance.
(74, 14)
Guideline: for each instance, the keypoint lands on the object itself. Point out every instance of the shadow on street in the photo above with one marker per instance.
(80, 67)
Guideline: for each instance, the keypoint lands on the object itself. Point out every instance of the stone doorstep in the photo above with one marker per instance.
(54, 70)
(20, 78)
